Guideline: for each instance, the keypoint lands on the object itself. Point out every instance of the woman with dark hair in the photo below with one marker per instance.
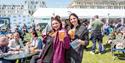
(36, 43)
(76, 19)
(77, 32)
(61, 41)
(66, 25)
(55, 47)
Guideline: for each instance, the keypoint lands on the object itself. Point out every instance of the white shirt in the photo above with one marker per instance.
(14, 44)
(34, 42)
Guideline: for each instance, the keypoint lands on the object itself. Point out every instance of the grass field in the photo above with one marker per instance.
(96, 58)
(103, 58)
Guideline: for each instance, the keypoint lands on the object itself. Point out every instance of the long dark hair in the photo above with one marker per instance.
(73, 14)
(57, 18)
(35, 33)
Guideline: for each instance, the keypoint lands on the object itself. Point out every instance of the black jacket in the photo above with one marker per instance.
(82, 32)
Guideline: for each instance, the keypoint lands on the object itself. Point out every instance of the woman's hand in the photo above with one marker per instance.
(28, 43)
(81, 42)
(32, 49)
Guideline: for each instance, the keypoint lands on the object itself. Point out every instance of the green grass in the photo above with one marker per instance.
(29, 36)
(103, 58)
(96, 58)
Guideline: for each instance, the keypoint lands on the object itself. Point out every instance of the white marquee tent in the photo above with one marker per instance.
(46, 13)
(64, 12)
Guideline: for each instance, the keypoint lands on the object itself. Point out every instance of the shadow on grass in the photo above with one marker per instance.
(88, 48)
(120, 56)
(107, 48)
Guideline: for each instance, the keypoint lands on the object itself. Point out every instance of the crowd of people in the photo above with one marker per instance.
(64, 43)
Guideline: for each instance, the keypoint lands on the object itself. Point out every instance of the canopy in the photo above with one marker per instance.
(64, 12)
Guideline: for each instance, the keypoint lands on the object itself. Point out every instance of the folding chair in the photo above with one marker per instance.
(119, 46)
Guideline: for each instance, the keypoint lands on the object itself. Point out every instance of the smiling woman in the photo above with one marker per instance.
(61, 41)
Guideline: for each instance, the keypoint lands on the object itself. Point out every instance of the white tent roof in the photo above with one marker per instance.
(64, 12)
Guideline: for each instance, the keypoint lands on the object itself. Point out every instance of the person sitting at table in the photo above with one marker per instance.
(4, 50)
(36, 43)
(10, 36)
(16, 42)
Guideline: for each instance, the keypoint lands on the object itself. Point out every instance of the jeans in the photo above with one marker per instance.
(98, 37)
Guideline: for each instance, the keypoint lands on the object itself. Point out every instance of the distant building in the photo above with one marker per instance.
(98, 4)
(20, 11)
(33, 5)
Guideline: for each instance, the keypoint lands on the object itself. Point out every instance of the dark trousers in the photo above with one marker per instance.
(34, 59)
(74, 56)
(97, 36)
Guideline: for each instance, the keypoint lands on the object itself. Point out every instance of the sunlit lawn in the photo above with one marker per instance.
(96, 58)
(103, 58)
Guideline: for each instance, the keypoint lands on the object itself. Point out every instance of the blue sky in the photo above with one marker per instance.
(57, 3)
